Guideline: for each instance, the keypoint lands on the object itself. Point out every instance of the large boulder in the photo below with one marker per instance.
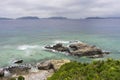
(45, 65)
(58, 63)
(51, 64)
(83, 49)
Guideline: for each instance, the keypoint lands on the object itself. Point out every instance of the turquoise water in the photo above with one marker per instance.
(25, 39)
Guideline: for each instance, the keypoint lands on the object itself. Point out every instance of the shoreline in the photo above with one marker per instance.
(41, 70)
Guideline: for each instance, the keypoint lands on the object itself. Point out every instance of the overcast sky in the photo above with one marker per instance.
(66, 8)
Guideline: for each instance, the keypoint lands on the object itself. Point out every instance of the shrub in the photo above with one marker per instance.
(97, 70)
(21, 78)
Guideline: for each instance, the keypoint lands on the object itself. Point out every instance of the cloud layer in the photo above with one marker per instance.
(66, 8)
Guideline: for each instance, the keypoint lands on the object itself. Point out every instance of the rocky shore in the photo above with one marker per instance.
(39, 71)
(43, 70)
(79, 49)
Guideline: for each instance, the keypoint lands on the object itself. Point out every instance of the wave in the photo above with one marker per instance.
(26, 47)
(67, 42)
(60, 41)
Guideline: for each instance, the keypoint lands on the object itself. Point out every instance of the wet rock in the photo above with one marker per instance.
(106, 52)
(58, 47)
(18, 61)
(1, 73)
(21, 69)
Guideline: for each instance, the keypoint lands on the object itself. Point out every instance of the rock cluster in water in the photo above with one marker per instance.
(79, 49)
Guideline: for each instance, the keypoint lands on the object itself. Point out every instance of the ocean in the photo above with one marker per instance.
(25, 39)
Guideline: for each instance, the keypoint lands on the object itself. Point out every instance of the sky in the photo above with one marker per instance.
(65, 8)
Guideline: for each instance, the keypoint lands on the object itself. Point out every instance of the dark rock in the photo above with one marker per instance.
(18, 61)
(18, 69)
(58, 47)
(1, 73)
(106, 52)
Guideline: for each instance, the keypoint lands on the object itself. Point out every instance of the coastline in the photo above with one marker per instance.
(33, 72)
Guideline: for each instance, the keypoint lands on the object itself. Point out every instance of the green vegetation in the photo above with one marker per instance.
(13, 79)
(97, 70)
(18, 78)
(21, 78)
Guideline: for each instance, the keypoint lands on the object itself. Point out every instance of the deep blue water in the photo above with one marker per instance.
(24, 39)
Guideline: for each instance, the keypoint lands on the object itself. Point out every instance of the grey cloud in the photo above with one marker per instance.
(67, 8)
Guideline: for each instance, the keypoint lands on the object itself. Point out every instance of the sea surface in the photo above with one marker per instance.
(25, 39)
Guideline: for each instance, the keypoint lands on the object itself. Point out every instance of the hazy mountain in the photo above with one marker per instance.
(57, 18)
(102, 18)
(2, 18)
(28, 17)
(94, 18)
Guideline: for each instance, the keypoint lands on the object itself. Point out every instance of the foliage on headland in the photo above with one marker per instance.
(96, 70)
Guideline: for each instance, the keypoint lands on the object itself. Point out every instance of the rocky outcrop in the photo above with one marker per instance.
(21, 69)
(47, 72)
(45, 65)
(79, 49)
(51, 64)
(58, 63)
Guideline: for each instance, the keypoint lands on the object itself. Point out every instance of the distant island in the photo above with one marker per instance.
(57, 18)
(94, 18)
(102, 18)
(28, 17)
(54, 18)
(2, 18)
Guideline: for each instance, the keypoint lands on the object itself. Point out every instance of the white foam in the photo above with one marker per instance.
(61, 41)
(75, 41)
(25, 47)
(7, 73)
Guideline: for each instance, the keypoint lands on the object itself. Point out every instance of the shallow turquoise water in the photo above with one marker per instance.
(25, 39)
